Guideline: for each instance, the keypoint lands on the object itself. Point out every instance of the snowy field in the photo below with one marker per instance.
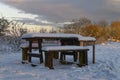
(107, 66)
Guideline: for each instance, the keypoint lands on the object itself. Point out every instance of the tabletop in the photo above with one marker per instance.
(57, 35)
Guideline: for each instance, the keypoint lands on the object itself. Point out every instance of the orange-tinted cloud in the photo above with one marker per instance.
(16, 1)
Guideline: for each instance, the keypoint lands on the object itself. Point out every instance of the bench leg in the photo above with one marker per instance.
(24, 54)
(49, 60)
(80, 59)
(62, 56)
(29, 58)
(75, 56)
(41, 57)
(46, 59)
(86, 58)
(83, 58)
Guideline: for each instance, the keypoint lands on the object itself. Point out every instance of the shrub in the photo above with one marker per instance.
(95, 31)
(15, 33)
(4, 24)
(115, 30)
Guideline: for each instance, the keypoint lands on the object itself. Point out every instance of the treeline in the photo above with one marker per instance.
(102, 30)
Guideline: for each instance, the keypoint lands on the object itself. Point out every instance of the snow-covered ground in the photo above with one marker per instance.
(107, 66)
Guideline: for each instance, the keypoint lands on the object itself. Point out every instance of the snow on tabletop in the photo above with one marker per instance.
(47, 48)
(32, 35)
(49, 35)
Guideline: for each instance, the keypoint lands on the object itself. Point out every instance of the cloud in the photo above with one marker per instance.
(16, 1)
(51, 10)
(63, 10)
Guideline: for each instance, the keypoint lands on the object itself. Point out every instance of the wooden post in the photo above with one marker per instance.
(46, 59)
(86, 57)
(81, 43)
(75, 56)
(80, 64)
(56, 54)
(93, 60)
(30, 50)
(49, 59)
(24, 54)
(40, 51)
(82, 56)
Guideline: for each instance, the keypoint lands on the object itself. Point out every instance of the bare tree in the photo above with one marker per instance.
(75, 26)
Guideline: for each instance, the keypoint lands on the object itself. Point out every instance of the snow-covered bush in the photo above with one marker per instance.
(12, 37)
(114, 31)
(15, 34)
(4, 24)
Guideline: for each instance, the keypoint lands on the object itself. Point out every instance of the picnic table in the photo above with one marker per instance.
(39, 37)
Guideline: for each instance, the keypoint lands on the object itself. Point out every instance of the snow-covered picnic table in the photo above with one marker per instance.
(80, 40)
(57, 36)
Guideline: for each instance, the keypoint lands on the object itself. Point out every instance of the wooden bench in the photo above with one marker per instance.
(69, 42)
(49, 50)
(25, 49)
(26, 55)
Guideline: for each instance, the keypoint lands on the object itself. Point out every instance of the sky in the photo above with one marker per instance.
(11, 12)
(48, 11)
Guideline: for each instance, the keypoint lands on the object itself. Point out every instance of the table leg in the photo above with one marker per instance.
(56, 55)
(93, 60)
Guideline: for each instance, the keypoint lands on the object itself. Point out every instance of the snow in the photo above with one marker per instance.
(107, 66)
(47, 48)
(83, 38)
(54, 35)
(48, 35)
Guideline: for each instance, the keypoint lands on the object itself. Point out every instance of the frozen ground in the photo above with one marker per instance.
(107, 66)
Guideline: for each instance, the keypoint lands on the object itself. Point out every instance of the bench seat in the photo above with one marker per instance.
(49, 50)
(25, 49)
(64, 48)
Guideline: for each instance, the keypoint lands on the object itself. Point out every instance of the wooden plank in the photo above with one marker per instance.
(83, 57)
